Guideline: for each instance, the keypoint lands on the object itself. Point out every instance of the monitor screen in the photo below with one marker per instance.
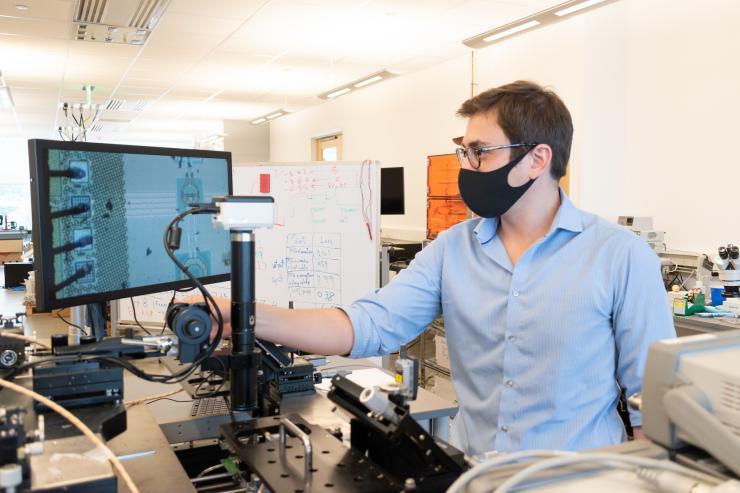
(391, 191)
(99, 215)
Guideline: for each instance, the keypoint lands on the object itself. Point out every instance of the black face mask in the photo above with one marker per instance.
(488, 193)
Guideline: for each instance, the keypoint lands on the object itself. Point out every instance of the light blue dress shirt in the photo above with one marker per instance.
(537, 349)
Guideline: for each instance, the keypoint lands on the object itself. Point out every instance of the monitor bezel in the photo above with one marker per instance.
(403, 190)
(38, 152)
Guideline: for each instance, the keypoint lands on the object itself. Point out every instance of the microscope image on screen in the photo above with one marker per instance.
(109, 211)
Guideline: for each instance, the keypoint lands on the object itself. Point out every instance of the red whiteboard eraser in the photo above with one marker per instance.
(264, 183)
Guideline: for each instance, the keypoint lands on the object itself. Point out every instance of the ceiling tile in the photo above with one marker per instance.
(234, 9)
(183, 25)
(93, 48)
(190, 48)
(60, 10)
(43, 28)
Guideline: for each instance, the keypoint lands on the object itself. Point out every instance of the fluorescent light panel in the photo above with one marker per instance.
(510, 31)
(270, 116)
(356, 84)
(548, 16)
(369, 81)
(338, 93)
(577, 7)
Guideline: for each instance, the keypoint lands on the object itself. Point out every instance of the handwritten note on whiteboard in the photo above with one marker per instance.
(323, 249)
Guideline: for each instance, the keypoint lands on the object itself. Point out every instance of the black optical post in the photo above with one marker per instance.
(241, 215)
(246, 359)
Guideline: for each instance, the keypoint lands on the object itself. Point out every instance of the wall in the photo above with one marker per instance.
(399, 122)
(247, 143)
(652, 86)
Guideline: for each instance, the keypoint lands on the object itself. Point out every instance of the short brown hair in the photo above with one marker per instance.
(528, 114)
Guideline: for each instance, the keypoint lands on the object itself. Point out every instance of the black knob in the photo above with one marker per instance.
(733, 251)
(87, 339)
(59, 340)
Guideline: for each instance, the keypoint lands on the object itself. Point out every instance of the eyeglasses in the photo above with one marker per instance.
(472, 155)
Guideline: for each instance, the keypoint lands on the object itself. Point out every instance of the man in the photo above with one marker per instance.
(548, 310)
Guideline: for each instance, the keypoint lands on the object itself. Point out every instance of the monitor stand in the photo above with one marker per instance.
(92, 316)
(96, 319)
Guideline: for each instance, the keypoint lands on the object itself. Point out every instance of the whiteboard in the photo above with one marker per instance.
(324, 248)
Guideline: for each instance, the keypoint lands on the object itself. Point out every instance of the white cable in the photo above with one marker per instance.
(117, 466)
(605, 459)
(670, 482)
(462, 482)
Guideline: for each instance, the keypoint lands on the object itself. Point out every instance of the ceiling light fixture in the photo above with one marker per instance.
(511, 31)
(269, 116)
(369, 81)
(577, 7)
(357, 84)
(336, 94)
(548, 16)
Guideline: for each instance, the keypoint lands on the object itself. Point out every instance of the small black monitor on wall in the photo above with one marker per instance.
(392, 196)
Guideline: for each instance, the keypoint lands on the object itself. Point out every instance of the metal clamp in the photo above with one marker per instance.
(162, 344)
(298, 433)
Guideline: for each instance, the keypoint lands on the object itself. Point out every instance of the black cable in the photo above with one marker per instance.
(133, 309)
(187, 371)
(172, 300)
(56, 359)
(206, 295)
(166, 399)
(207, 379)
(59, 315)
(125, 364)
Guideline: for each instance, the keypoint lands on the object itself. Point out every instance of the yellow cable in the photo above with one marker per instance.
(30, 340)
(117, 466)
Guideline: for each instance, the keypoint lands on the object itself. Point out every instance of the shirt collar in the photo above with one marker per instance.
(567, 218)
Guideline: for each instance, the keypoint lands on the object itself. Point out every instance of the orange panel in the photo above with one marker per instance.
(443, 213)
(442, 174)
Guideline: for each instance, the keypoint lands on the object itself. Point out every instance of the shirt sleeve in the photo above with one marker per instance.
(400, 311)
(641, 316)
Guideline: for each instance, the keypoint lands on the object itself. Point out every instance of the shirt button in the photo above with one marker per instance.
(504, 428)
(509, 383)
(515, 293)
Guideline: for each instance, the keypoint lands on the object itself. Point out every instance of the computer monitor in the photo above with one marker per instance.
(99, 215)
(391, 191)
